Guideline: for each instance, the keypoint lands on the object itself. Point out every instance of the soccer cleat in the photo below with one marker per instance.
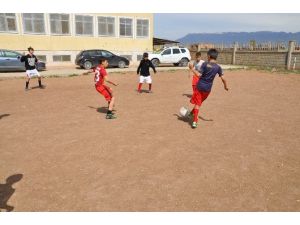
(194, 125)
(26, 89)
(150, 92)
(42, 86)
(110, 116)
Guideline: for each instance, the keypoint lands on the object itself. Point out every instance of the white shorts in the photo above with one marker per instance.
(147, 79)
(33, 73)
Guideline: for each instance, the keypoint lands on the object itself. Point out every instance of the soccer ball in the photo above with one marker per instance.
(183, 111)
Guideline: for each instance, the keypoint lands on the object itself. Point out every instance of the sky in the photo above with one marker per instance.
(176, 25)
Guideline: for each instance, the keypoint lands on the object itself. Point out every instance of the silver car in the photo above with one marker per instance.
(10, 61)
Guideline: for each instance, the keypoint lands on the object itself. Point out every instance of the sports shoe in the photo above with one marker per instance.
(26, 89)
(111, 116)
(150, 92)
(194, 125)
(42, 87)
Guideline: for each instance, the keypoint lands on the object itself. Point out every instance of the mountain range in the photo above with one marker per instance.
(240, 37)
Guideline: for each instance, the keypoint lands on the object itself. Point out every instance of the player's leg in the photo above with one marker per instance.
(39, 79)
(27, 80)
(110, 114)
(141, 81)
(149, 81)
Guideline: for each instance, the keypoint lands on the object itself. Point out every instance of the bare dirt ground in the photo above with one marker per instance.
(244, 155)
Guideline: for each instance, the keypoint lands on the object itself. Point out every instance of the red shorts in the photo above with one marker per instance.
(199, 97)
(105, 91)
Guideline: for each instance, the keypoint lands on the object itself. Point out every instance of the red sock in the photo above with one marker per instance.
(140, 86)
(196, 111)
(150, 86)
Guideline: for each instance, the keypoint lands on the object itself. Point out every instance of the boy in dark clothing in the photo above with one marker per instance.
(30, 60)
(144, 72)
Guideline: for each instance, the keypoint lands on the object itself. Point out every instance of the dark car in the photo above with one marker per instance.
(88, 59)
(10, 61)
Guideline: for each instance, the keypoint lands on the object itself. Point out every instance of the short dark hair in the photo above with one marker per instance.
(30, 48)
(198, 54)
(213, 53)
(145, 55)
(101, 60)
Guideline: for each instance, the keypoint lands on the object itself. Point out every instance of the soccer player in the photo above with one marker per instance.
(143, 70)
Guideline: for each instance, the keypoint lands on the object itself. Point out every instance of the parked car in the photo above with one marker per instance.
(10, 61)
(88, 59)
(175, 55)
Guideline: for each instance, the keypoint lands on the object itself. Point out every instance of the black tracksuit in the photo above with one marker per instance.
(144, 66)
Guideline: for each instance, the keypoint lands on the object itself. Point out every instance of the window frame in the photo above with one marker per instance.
(16, 31)
(93, 26)
(115, 26)
(136, 27)
(28, 32)
(69, 23)
(132, 27)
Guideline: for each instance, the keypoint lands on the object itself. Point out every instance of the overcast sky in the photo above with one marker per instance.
(174, 25)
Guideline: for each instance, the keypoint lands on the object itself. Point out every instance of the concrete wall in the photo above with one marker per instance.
(254, 58)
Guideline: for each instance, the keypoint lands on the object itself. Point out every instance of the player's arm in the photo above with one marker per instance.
(194, 71)
(109, 81)
(139, 68)
(36, 59)
(224, 82)
(153, 67)
(22, 59)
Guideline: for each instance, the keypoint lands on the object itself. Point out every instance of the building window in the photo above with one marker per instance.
(42, 58)
(125, 27)
(106, 26)
(84, 25)
(61, 58)
(142, 28)
(60, 23)
(34, 23)
(8, 22)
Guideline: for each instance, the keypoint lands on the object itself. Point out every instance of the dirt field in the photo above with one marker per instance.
(244, 155)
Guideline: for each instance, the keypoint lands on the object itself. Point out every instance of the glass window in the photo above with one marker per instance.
(106, 26)
(176, 51)
(61, 58)
(125, 27)
(10, 54)
(33, 23)
(106, 54)
(167, 52)
(60, 23)
(84, 25)
(8, 22)
(183, 50)
(142, 28)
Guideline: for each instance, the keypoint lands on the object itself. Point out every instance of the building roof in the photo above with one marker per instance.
(159, 41)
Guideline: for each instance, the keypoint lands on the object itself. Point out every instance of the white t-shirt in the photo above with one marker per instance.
(198, 65)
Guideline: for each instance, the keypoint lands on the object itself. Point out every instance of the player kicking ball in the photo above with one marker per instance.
(101, 77)
(206, 75)
(30, 61)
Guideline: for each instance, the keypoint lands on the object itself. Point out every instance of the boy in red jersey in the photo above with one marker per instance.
(107, 92)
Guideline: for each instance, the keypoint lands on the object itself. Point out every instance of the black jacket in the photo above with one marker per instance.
(30, 61)
(144, 66)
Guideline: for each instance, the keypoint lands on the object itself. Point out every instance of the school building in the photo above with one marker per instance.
(58, 38)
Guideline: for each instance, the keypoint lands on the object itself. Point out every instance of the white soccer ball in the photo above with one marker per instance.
(184, 111)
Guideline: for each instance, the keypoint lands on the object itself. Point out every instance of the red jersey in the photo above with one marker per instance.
(100, 73)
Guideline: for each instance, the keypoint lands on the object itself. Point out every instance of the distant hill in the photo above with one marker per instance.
(240, 37)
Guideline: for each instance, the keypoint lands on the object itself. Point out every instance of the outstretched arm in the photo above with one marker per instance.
(109, 81)
(224, 83)
(139, 67)
(153, 67)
